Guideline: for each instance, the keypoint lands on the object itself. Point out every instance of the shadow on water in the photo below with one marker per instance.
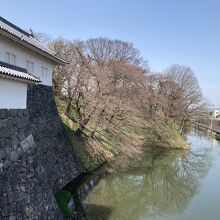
(162, 184)
(98, 212)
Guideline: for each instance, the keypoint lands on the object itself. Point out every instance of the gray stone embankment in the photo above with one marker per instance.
(211, 131)
(36, 158)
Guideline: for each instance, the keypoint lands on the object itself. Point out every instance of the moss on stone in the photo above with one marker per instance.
(63, 197)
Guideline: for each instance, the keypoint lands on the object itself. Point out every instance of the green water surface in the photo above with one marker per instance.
(165, 185)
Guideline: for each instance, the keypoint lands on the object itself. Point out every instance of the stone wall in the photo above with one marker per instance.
(14, 127)
(213, 132)
(36, 158)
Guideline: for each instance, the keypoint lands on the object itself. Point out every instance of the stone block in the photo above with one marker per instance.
(27, 143)
(3, 180)
(13, 112)
(20, 153)
(20, 112)
(1, 167)
(14, 121)
(14, 156)
(12, 217)
(6, 165)
(28, 210)
(71, 204)
(26, 112)
(8, 150)
(14, 130)
(3, 113)
(22, 121)
(3, 154)
(21, 135)
(7, 142)
(3, 123)
(86, 187)
(27, 131)
(33, 149)
(14, 141)
(92, 183)
(2, 142)
(5, 132)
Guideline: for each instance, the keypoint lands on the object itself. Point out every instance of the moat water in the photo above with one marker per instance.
(165, 185)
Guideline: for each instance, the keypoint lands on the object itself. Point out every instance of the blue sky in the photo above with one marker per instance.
(166, 31)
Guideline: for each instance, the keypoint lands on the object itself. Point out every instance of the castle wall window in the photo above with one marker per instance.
(29, 66)
(10, 58)
(13, 59)
(44, 71)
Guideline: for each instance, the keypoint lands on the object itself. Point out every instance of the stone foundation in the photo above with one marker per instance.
(36, 158)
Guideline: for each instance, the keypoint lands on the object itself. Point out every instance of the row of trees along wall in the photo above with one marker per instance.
(108, 81)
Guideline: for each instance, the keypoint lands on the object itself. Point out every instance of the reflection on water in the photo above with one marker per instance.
(160, 187)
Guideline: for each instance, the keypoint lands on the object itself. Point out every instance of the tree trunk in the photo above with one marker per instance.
(94, 130)
(80, 129)
(97, 123)
(68, 107)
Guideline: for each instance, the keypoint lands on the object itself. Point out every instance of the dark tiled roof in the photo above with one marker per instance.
(28, 40)
(10, 71)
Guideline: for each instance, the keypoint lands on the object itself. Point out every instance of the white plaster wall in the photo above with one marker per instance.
(23, 54)
(13, 94)
(216, 113)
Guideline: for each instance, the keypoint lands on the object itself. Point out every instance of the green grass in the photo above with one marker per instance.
(125, 139)
(165, 136)
(63, 198)
(80, 146)
(91, 152)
